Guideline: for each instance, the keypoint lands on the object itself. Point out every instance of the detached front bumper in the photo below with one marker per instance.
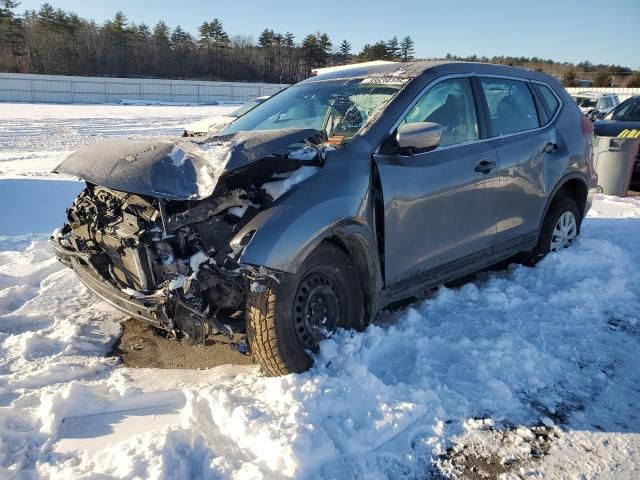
(152, 309)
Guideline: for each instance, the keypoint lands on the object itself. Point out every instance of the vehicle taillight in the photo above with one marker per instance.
(587, 126)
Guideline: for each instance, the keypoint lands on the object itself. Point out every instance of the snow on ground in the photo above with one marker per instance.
(35, 138)
(512, 352)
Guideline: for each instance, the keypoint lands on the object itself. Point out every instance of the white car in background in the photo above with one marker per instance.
(591, 103)
(213, 124)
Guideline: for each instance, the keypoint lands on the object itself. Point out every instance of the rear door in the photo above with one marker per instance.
(439, 206)
(515, 119)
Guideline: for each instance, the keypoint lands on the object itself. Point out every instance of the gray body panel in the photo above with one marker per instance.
(437, 208)
(338, 195)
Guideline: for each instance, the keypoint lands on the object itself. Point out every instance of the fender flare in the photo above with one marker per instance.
(356, 239)
(358, 242)
(575, 175)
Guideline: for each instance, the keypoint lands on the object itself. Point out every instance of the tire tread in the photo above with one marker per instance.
(261, 330)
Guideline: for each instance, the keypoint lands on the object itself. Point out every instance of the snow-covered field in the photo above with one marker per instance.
(533, 371)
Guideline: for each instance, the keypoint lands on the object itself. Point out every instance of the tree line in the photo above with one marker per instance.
(601, 75)
(54, 41)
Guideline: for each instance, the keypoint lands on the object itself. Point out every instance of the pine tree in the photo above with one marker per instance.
(316, 50)
(46, 15)
(6, 9)
(325, 45)
(11, 31)
(143, 31)
(218, 36)
(182, 45)
(393, 47)
(406, 49)
(278, 40)
(180, 39)
(266, 38)
(289, 40)
(377, 51)
(161, 34)
(204, 31)
(344, 52)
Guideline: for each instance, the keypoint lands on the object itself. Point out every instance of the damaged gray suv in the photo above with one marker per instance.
(327, 202)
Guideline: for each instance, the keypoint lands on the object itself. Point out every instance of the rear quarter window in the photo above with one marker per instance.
(547, 97)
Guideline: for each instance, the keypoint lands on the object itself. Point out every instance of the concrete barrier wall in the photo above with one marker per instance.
(17, 87)
(623, 93)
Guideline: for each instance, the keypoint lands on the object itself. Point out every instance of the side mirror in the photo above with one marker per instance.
(419, 135)
(596, 114)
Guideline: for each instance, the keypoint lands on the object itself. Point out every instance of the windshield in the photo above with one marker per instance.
(628, 111)
(586, 101)
(339, 107)
(245, 108)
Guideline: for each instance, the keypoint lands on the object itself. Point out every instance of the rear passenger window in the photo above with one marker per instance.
(548, 99)
(511, 106)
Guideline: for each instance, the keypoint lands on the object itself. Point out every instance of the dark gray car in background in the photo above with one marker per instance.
(332, 199)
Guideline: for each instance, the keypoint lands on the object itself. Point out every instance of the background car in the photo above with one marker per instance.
(623, 122)
(595, 104)
(212, 124)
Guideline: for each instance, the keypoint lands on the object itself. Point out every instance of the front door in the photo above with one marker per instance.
(439, 206)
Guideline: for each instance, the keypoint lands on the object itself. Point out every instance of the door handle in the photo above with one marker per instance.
(550, 147)
(485, 166)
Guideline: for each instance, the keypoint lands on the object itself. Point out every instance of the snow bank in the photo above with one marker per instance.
(516, 347)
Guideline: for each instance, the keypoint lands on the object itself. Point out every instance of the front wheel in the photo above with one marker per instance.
(287, 320)
(559, 230)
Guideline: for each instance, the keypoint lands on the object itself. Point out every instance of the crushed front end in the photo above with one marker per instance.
(169, 261)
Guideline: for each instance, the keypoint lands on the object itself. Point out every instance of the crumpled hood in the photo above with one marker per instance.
(176, 169)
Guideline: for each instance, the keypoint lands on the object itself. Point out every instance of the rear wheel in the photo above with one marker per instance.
(287, 320)
(559, 230)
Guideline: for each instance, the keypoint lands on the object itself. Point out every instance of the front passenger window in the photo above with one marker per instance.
(450, 104)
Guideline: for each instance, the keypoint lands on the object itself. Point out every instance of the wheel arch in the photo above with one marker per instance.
(572, 185)
(364, 261)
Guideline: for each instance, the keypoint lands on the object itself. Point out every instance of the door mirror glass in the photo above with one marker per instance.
(419, 135)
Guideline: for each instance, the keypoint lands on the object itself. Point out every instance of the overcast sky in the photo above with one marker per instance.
(563, 30)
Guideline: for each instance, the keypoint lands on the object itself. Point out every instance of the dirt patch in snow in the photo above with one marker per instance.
(492, 453)
(141, 346)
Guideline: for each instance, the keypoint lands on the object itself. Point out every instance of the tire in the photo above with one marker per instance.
(560, 207)
(286, 320)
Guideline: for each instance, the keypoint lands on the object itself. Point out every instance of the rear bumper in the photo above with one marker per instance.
(152, 309)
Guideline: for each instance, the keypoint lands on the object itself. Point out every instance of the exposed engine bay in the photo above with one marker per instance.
(168, 260)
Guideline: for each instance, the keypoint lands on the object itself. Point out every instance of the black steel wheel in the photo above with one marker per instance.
(287, 321)
(316, 310)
